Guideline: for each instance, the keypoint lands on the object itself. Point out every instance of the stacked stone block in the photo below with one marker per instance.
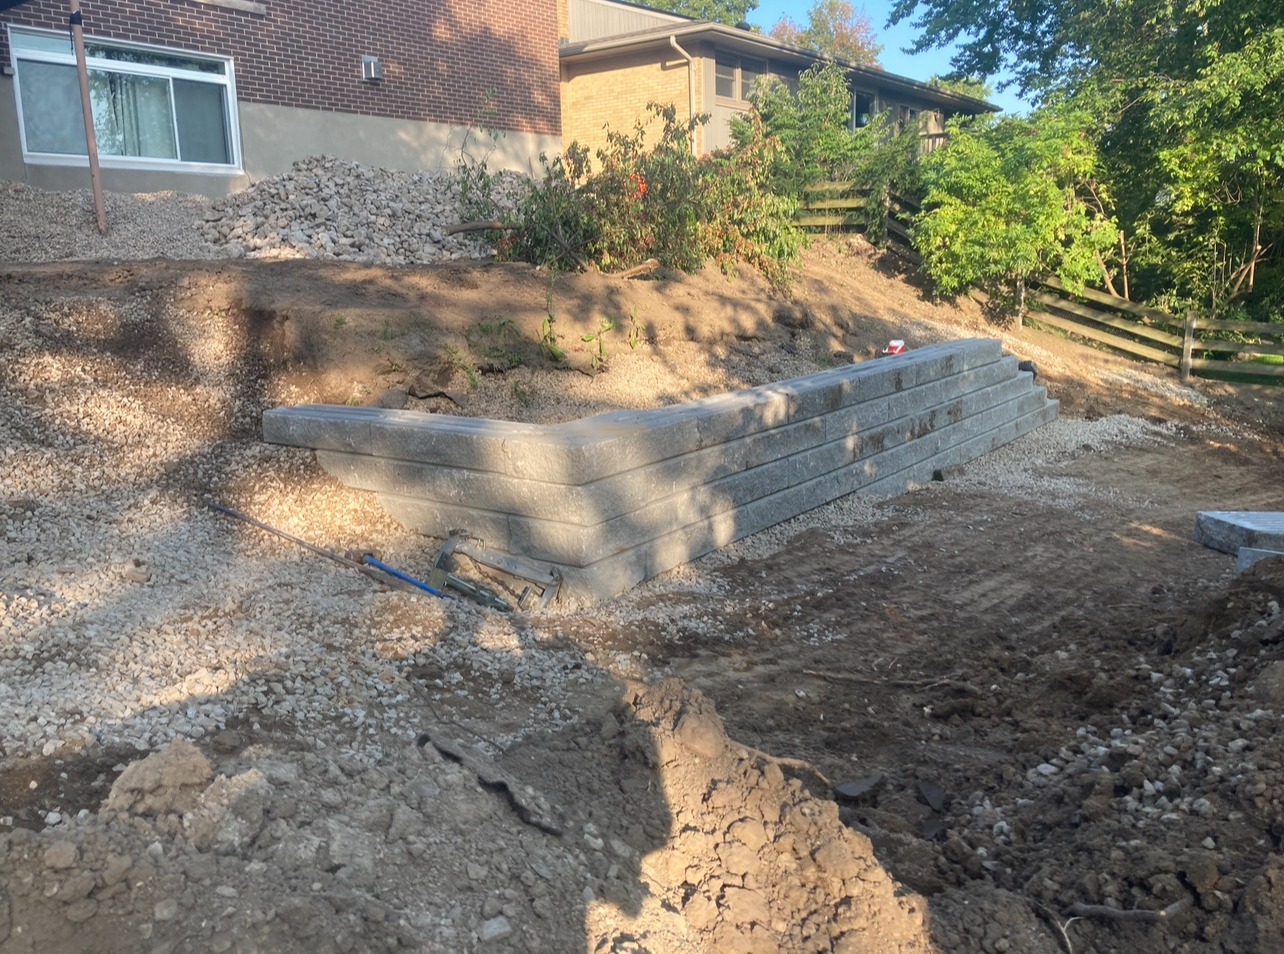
(621, 497)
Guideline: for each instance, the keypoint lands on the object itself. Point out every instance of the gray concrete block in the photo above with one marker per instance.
(606, 578)
(597, 447)
(1228, 530)
(438, 520)
(317, 426)
(438, 440)
(726, 417)
(1247, 556)
(458, 486)
(690, 542)
(957, 357)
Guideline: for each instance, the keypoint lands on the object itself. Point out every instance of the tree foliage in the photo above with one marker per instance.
(963, 85)
(1182, 99)
(812, 126)
(1011, 199)
(835, 28)
(729, 12)
(1221, 212)
(817, 143)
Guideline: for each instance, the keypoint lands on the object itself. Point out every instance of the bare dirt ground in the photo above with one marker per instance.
(932, 723)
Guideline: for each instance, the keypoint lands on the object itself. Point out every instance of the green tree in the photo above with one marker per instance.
(835, 28)
(730, 12)
(1222, 209)
(975, 87)
(1013, 199)
(1182, 99)
(817, 143)
(812, 125)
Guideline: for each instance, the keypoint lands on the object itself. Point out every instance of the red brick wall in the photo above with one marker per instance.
(439, 66)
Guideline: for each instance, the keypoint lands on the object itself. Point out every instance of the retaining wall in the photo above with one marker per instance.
(620, 497)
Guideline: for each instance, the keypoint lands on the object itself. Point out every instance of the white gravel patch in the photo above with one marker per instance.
(40, 226)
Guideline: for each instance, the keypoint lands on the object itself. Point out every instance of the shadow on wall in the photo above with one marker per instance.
(475, 88)
(618, 498)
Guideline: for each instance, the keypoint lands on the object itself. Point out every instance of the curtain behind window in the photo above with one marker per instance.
(132, 115)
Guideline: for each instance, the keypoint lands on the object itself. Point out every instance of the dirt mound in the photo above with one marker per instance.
(737, 852)
(664, 818)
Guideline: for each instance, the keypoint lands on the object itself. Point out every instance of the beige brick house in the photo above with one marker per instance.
(617, 56)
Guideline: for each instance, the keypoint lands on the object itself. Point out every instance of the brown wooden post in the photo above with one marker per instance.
(1187, 343)
(86, 107)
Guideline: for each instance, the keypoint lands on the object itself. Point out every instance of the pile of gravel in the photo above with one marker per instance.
(331, 208)
(322, 208)
(1176, 785)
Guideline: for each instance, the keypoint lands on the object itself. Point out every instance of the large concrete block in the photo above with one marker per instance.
(1247, 556)
(318, 426)
(438, 520)
(1228, 530)
(457, 486)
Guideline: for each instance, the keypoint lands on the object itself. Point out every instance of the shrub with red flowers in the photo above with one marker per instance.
(657, 200)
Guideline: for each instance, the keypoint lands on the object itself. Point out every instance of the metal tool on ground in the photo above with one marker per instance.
(438, 580)
(375, 570)
(539, 583)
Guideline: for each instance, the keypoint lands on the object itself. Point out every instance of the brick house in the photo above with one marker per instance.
(618, 56)
(205, 95)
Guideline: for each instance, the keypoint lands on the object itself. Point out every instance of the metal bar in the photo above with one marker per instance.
(404, 577)
(319, 551)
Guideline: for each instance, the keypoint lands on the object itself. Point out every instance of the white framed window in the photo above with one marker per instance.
(154, 107)
(735, 77)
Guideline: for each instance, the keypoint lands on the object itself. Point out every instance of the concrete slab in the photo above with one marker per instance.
(1247, 556)
(1228, 530)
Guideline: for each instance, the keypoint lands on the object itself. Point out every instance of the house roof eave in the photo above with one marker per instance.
(755, 44)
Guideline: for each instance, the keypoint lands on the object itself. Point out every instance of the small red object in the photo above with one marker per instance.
(895, 346)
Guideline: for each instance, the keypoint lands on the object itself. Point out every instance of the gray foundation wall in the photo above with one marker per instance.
(273, 137)
(621, 497)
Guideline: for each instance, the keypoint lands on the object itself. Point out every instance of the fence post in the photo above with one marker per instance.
(1187, 343)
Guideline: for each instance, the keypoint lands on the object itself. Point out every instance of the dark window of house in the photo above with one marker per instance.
(862, 109)
(149, 104)
(736, 77)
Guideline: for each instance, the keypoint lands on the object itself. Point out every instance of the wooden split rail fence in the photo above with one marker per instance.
(1191, 345)
(1205, 347)
(838, 205)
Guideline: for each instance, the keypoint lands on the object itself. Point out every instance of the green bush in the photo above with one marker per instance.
(812, 125)
(656, 201)
(816, 143)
